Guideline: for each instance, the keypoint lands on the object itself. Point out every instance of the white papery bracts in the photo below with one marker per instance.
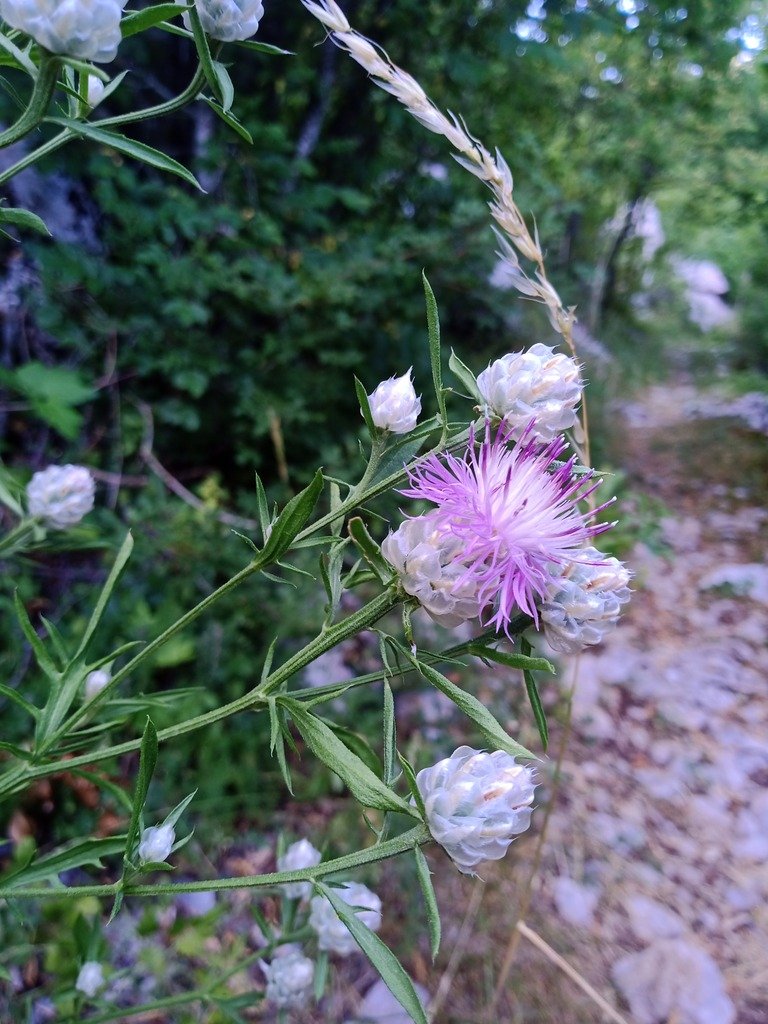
(289, 980)
(476, 803)
(584, 602)
(538, 384)
(428, 562)
(156, 844)
(60, 495)
(332, 934)
(86, 29)
(90, 978)
(298, 855)
(394, 404)
(228, 20)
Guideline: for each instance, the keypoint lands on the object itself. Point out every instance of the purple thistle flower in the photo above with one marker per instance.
(515, 516)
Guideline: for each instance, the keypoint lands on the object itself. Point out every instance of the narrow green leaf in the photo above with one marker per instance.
(229, 119)
(358, 744)
(179, 809)
(226, 88)
(369, 548)
(147, 762)
(140, 21)
(42, 657)
(366, 787)
(252, 44)
(106, 592)
(472, 708)
(534, 698)
(23, 219)
(268, 657)
(131, 148)
(433, 326)
(410, 778)
(204, 54)
(390, 736)
(19, 56)
(262, 506)
(522, 661)
(321, 975)
(382, 958)
(365, 407)
(430, 900)
(17, 699)
(465, 375)
(77, 855)
(85, 68)
(56, 639)
(292, 519)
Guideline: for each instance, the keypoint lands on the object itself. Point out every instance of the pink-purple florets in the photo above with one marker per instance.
(515, 515)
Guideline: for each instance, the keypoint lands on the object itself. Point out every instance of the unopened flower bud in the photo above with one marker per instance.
(228, 20)
(298, 855)
(90, 979)
(476, 803)
(332, 934)
(60, 495)
(428, 562)
(395, 406)
(95, 90)
(584, 603)
(86, 29)
(539, 385)
(156, 844)
(289, 980)
(95, 682)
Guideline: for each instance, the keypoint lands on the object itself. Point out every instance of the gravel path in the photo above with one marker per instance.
(658, 846)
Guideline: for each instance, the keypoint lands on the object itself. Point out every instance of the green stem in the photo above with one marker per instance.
(381, 851)
(13, 782)
(36, 154)
(159, 109)
(15, 540)
(148, 1008)
(39, 101)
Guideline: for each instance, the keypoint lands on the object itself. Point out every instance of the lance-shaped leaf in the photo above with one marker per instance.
(433, 326)
(292, 519)
(465, 375)
(523, 661)
(140, 21)
(77, 855)
(382, 958)
(365, 786)
(106, 592)
(472, 708)
(430, 900)
(23, 219)
(147, 762)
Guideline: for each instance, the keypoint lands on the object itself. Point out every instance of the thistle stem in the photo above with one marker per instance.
(39, 101)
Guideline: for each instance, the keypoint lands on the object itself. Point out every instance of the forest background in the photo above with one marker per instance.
(164, 337)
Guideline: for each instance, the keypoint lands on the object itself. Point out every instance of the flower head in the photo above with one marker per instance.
(95, 682)
(332, 933)
(156, 844)
(584, 601)
(298, 855)
(395, 405)
(476, 803)
(537, 384)
(60, 495)
(513, 514)
(428, 560)
(289, 979)
(228, 20)
(90, 979)
(86, 29)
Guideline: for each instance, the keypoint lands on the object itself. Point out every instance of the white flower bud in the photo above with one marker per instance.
(289, 980)
(395, 406)
(228, 20)
(429, 564)
(60, 495)
(539, 385)
(95, 682)
(584, 602)
(90, 979)
(298, 855)
(156, 844)
(332, 933)
(476, 803)
(95, 91)
(86, 29)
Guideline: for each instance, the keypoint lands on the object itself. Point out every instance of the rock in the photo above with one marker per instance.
(673, 979)
(651, 920)
(747, 580)
(381, 1007)
(575, 902)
